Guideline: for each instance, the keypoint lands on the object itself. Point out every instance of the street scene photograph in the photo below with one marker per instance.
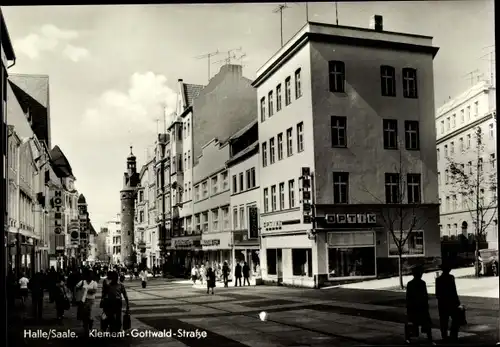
(284, 174)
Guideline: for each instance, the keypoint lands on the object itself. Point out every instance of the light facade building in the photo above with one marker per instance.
(349, 105)
(456, 125)
(160, 192)
(243, 166)
(114, 240)
(102, 247)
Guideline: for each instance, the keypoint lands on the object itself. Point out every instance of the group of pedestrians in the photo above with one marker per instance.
(209, 276)
(449, 307)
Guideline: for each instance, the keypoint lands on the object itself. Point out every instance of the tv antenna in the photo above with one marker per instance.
(471, 75)
(279, 10)
(240, 59)
(491, 59)
(230, 55)
(208, 56)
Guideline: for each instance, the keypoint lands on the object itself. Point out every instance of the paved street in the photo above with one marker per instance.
(296, 317)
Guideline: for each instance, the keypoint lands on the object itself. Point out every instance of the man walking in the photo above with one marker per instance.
(37, 288)
(237, 275)
(448, 303)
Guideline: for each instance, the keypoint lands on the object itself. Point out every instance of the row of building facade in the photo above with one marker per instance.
(304, 172)
(46, 219)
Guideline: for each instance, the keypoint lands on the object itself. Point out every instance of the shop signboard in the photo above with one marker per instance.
(360, 218)
(58, 212)
(209, 243)
(183, 243)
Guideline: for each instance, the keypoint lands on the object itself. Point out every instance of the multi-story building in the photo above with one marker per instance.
(211, 205)
(456, 124)
(216, 111)
(92, 245)
(114, 240)
(342, 109)
(243, 166)
(8, 60)
(146, 229)
(160, 191)
(102, 250)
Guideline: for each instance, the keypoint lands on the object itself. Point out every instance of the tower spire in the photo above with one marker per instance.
(131, 153)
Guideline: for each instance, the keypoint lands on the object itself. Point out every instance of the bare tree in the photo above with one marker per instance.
(403, 214)
(472, 183)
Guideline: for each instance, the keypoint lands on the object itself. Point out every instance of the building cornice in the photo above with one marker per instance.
(465, 128)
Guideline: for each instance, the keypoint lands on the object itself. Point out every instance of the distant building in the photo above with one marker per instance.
(456, 124)
(349, 105)
(127, 198)
(102, 251)
(114, 240)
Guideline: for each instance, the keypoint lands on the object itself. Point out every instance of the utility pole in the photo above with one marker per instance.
(336, 13)
(279, 10)
(208, 56)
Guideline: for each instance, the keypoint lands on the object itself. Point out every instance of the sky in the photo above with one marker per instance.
(114, 69)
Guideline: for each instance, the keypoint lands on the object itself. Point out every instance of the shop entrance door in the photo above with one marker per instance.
(279, 261)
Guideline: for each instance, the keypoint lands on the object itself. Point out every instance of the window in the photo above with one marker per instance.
(278, 98)
(414, 246)
(476, 109)
(339, 131)
(439, 177)
(446, 176)
(480, 164)
(302, 262)
(235, 218)
(388, 80)
(289, 142)
(454, 202)
(247, 175)
(468, 141)
(282, 195)
(454, 120)
(469, 165)
(197, 222)
(300, 137)
(271, 256)
(253, 180)
(392, 188)
(291, 194)
(243, 224)
(413, 188)
(270, 103)
(225, 183)
(242, 187)
(390, 133)
(264, 154)
(235, 184)
(215, 185)
(410, 83)
(492, 160)
(336, 70)
(263, 109)
(141, 216)
(452, 148)
(288, 91)
(197, 193)
(412, 135)
(189, 227)
(340, 187)
(351, 254)
(189, 158)
(266, 200)
(205, 222)
(273, 198)
(204, 188)
(280, 146)
(298, 86)
(461, 144)
(185, 162)
(272, 157)
(442, 127)
(438, 154)
(492, 131)
(187, 128)
(215, 220)
(225, 217)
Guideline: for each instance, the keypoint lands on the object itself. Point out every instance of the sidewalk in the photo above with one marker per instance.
(218, 284)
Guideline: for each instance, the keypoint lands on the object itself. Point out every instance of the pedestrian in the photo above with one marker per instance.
(210, 280)
(60, 297)
(417, 306)
(144, 278)
(246, 274)
(36, 285)
(448, 303)
(23, 288)
(52, 279)
(203, 273)
(225, 274)
(112, 302)
(87, 289)
(194, 274)
(237, 275)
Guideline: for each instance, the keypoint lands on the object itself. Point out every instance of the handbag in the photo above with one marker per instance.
(104, 322)
(127, 324)
(461, 316)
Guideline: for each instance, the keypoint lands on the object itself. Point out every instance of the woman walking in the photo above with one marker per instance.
(210, 280)
(60, 298)
(88, 289)
(112, 302)
(144, 278)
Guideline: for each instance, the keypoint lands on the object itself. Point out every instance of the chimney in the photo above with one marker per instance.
(180, 80)
(377, 23)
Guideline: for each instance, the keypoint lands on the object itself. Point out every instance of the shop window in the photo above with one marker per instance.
(272, 255)
(302, 262)
(351, 254)
(414, 245)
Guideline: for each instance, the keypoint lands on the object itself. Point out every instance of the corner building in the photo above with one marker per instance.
(346, 103)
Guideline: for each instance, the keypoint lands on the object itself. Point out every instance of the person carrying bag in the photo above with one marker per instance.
(87, 289)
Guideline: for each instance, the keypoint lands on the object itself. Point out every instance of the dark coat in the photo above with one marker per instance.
(246, 271)
(446, 293)
(237, 271)
(211, 279)
(225, 270)
(417, 302)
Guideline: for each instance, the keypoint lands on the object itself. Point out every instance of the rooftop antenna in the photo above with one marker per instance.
(471, 74)
(279, 10)
(491, 59)
(307, 12)
(336, 13)
(240, 58)
(230, 55)
(208, 56)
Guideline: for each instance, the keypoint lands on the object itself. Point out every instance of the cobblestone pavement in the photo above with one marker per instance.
(296, 317)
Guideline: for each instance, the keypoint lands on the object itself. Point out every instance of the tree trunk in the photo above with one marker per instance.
(400, 270)
(476, 259)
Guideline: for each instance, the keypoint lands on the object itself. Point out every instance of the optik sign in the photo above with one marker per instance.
(58, 212)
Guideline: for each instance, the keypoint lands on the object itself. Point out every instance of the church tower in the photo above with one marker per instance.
(127, 197)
